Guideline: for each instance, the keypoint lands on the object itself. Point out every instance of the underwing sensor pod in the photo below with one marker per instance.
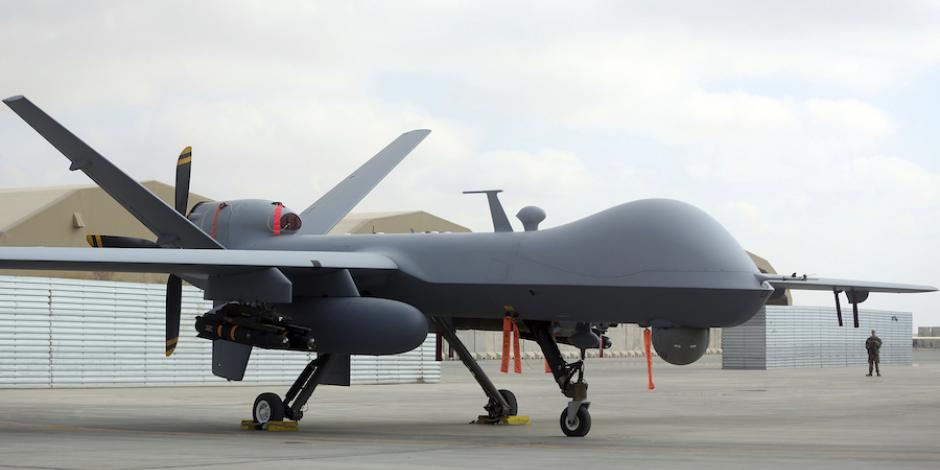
(680, 345)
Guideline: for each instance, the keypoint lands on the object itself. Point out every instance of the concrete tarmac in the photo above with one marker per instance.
(698, 417)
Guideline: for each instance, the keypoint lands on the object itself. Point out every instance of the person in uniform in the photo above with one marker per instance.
(873, 345)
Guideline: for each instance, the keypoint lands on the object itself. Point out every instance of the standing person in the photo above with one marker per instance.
(873, 345)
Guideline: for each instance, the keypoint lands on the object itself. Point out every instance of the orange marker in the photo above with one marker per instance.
(647, 341)
(507, 328)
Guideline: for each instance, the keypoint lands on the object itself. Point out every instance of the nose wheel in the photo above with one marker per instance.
(576, 424)
(575, 419)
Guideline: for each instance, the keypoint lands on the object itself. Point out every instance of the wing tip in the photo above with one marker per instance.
(14, 99)
(418, 131)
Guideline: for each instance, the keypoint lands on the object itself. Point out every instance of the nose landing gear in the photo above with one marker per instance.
(575, 419)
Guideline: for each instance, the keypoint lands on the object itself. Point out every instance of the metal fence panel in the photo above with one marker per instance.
(81, 333)
(798, 336)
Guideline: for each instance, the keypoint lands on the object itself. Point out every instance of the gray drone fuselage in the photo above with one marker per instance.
(657, 261)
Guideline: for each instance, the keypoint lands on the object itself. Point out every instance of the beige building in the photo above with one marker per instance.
(63, 216)
(765, 267)
(395, 222)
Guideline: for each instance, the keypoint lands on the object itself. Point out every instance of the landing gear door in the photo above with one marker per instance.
(337, 371)
(229, 360)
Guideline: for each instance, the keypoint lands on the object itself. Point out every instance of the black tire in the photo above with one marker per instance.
(511, 401)
(268, 407)
(581, 425)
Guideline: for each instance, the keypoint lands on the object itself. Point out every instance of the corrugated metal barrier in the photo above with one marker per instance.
(796, 336)
(79, 333)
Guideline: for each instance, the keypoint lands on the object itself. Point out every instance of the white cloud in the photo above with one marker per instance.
(771, 117)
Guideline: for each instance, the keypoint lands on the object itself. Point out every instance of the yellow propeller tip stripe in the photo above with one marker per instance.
(171, 346)
(186, 156)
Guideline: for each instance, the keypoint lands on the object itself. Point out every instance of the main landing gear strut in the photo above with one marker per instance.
(502, 403)
(575, 419)
(269, 407)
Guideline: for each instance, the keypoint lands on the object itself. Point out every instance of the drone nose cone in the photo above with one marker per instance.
(673, 235)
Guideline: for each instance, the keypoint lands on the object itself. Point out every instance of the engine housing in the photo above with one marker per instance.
(243, 222)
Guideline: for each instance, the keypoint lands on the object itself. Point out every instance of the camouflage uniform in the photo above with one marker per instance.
(873, 345)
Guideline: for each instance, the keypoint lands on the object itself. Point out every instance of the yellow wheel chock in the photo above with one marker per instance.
(504, 420)
(271, 426)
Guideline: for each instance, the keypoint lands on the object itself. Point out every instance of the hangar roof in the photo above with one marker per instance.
(395, 222)
(18, 204)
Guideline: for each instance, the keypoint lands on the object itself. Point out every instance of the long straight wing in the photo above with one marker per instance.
(327, 211)
(812, 283)
(169, 226)
(182, 261)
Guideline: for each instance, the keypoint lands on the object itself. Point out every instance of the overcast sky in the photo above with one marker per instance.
(809, 129)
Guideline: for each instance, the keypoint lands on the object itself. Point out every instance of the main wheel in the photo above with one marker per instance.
(268, 407)
(511, 401)
(577, 427)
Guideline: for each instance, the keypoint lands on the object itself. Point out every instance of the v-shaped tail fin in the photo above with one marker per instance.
(327, 211)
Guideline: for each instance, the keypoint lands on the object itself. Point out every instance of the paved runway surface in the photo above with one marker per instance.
(698, 417)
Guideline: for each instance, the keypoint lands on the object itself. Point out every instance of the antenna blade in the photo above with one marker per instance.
(500, 221)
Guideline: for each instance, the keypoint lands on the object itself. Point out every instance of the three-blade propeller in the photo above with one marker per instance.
(174, 285)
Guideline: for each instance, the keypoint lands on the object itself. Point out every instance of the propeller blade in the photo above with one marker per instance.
(183, 168)
(174, 285)
(114, 241)
(174, 300)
